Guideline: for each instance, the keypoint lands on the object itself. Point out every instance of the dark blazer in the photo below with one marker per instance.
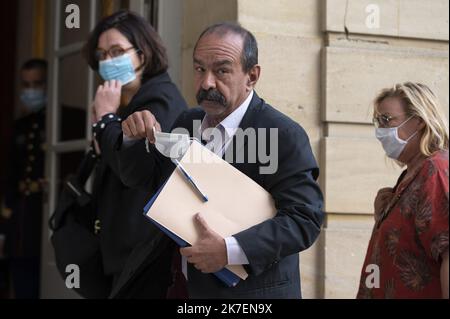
(123, 226)
(271, 247)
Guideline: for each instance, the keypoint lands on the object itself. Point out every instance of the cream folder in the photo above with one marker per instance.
(235, 201)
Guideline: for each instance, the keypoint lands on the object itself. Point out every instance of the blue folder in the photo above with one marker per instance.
(226, 276)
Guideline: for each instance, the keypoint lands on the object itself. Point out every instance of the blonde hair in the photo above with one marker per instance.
(418, 100)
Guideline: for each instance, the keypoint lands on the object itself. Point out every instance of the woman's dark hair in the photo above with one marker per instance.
(141, 35)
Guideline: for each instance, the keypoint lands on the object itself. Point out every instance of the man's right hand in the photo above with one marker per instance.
(383, 197)
(140, 125)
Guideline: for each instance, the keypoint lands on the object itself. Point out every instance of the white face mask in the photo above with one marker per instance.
(171, 145)
(392, 144)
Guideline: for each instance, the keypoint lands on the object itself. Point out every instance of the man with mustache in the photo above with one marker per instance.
(226, 72)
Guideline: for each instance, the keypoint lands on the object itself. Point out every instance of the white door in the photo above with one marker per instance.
(70, 92)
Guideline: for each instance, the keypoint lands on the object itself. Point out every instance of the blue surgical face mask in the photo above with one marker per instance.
(120, 68)
(33, 99)
(393, 145)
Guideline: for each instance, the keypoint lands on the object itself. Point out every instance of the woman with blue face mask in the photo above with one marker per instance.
(131, 60)
(409, 244)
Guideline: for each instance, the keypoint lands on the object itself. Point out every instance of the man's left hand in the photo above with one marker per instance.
(209, 253)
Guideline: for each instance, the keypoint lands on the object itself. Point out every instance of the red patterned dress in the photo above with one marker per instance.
(406, 246)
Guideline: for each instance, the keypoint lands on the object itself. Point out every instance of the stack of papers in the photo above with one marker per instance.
(235, 201)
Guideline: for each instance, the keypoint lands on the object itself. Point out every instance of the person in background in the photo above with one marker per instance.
(23, 198)
(409, 243)
(130, 57)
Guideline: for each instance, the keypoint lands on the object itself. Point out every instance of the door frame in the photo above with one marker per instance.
(52, 285)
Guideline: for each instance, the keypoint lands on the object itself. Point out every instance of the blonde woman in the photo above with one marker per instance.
(407, 255)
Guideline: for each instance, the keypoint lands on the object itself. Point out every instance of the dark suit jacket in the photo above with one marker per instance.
(271, 247)
(123, 226)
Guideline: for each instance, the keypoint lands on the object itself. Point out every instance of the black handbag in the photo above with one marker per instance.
(75, 233)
